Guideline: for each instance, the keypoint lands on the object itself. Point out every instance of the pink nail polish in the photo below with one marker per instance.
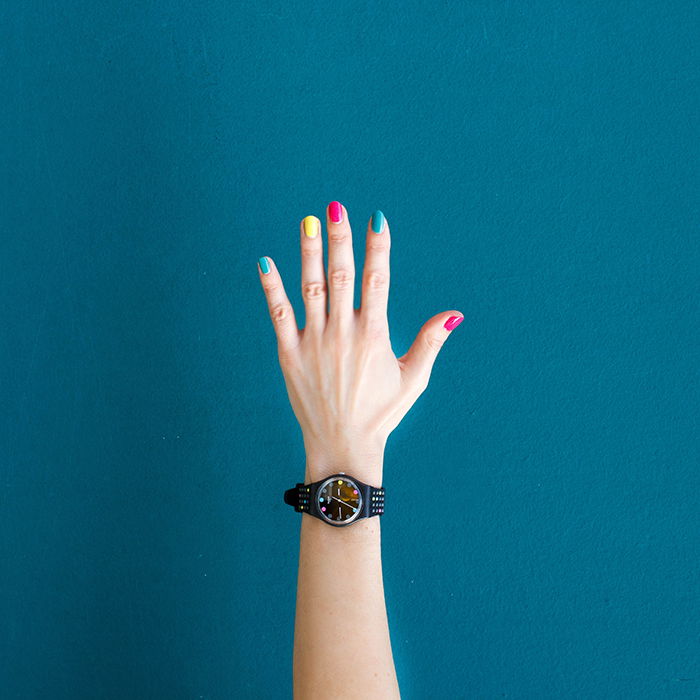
(453, 321)
(335, 209)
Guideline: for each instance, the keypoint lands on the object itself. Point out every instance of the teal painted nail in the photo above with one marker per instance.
(377, 221)
(264, 265)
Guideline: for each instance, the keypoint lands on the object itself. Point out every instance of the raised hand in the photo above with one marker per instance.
(347, 388)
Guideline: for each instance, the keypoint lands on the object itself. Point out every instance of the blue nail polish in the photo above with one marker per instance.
(377, 221)
(264, 265)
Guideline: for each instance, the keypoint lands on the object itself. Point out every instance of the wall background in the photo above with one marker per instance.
(539, 167)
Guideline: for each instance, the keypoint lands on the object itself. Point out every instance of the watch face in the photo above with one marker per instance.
(339, 500)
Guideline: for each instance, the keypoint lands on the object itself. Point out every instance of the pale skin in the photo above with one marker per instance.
(348, 391)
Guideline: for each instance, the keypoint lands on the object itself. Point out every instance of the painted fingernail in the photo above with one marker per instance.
(264, 265)
(453, 321)
(311, 224)
(335, 209)
(377, 221)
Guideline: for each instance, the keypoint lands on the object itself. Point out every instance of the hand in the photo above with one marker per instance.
(347, 388)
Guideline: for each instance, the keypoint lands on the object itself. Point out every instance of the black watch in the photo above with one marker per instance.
(337, 500)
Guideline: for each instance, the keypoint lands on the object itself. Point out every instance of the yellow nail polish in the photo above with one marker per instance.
(311, 226)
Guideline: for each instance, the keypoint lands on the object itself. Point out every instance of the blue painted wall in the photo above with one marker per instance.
(538, 163)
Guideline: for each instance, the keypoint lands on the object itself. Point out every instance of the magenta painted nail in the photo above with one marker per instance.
(453, 321)
(335, 209)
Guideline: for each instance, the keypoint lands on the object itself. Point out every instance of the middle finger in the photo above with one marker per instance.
(341, 264)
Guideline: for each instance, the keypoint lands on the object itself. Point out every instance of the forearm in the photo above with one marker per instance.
(342, 647)
(348, 390)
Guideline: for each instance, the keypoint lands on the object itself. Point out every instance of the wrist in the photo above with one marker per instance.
(366, 466)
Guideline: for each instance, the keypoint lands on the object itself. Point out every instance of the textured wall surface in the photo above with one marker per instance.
(538, 164)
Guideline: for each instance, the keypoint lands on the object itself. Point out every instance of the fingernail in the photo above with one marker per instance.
(311, 226)
(377, 221)
(264, 265)
(453, 321)
(335, 209)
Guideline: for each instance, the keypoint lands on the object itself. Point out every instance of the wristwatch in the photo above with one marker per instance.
(337, 500)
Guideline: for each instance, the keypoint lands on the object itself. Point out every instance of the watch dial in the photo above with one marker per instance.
(339, 500)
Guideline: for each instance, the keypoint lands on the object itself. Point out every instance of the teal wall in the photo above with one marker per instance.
(538, 163)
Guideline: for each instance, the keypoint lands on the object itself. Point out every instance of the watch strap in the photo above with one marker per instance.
(299, 497)
(376, 501)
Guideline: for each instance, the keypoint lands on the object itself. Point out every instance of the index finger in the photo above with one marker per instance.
(375, 276)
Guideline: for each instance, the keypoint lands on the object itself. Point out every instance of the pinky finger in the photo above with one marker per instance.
(281, 311)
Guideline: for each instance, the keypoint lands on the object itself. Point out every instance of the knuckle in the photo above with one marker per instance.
(283, 355)
(341, 279)
(313, 290)
(273, 288)
(374, 328)
(309, 252)
(280, 312)
(417, 385)
(377, 280)
(287, 358)
(337, 236)
(377, 244)
(433, 342)
(340, 333)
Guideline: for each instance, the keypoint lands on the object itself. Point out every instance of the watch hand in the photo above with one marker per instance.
(344, 503)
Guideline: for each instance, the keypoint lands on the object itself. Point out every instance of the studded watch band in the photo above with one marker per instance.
(299, 497)
(376, 501)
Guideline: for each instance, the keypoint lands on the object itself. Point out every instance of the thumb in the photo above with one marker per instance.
(418, 361)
